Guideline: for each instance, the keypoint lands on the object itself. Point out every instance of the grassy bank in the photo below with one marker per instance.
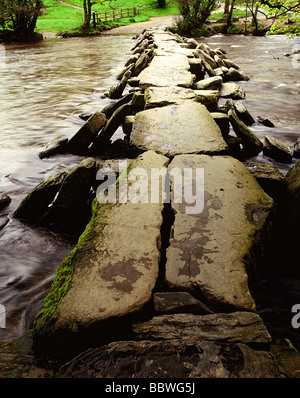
(61, 18)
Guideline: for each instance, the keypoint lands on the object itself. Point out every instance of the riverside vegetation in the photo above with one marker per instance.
(149, 290)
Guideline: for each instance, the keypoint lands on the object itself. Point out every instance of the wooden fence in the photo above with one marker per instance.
(122, 12)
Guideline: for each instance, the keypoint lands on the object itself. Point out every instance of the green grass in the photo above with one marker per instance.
(235, 14)
(59, 17)
(64, 18)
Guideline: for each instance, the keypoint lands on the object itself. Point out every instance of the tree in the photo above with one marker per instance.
(282, 10)
(20, 17)
(87, 9)
(194, 14)
(229, 13)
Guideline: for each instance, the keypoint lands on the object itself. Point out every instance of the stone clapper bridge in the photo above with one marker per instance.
(146, 273)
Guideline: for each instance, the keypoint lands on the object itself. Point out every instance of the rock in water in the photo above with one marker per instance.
(80, 142)
(277, 149)
(251, 144)
(212, 83)
(232, 90)
(269, 178)
(212, 245)
(71, 209)
(57, 145)
(111, 274)
(4, 201)
(36, 203)
(102, 143)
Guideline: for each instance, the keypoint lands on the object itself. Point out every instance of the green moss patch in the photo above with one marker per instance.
(60, 285)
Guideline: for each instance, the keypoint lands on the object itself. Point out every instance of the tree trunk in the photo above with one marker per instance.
(87, 7)
(229, 16)
(226, 7)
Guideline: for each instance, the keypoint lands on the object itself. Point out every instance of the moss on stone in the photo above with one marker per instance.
(60, 285)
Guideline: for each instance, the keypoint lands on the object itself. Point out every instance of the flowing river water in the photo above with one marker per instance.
(45, 86)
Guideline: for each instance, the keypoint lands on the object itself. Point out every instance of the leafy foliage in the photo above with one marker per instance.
(287, 11)
(194, 14)
(20, 17)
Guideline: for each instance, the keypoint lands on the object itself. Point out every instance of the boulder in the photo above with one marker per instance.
(178, 302)
(232, 90)
(140, 64)
(209, 98)
(102, 143)
(196, 68)
(234, 145)
(251, 144)
(123, 72)
(206, 58)
(127, 125)
(222, 121)
(269, 178)
(134, 81)
(211, 83)
(175, 129)
(277, 149)
(81, 141)
(116, 91)
(235, 75)
(265, 122)
(230, 64)
(110, 274)
(211, 246)
(4, 201)
(55, 146)
(132, 59)
(184, 359)
(108, 110)
(36, 203)
(138, 101)
(219, 61)
(243, 327)
(297, 148)
(70, 211)
(243, 113)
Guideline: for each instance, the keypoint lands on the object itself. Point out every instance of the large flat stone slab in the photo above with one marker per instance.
(210, 250)
(164, 77)
(171, 61)
(241, 326)
(162, 96)
(112, 271)
(177, 129)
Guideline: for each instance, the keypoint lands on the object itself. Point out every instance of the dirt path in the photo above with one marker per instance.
(69, 5)
(137, 28)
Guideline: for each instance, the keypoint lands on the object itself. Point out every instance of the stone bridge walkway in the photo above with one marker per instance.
(171, 275)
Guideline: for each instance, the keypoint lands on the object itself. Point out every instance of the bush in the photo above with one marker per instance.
(19, 17)
(194, 14)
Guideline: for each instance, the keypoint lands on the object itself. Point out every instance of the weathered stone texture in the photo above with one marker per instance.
(209, 250)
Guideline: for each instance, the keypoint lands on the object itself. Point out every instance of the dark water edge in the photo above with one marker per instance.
(43, 89)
